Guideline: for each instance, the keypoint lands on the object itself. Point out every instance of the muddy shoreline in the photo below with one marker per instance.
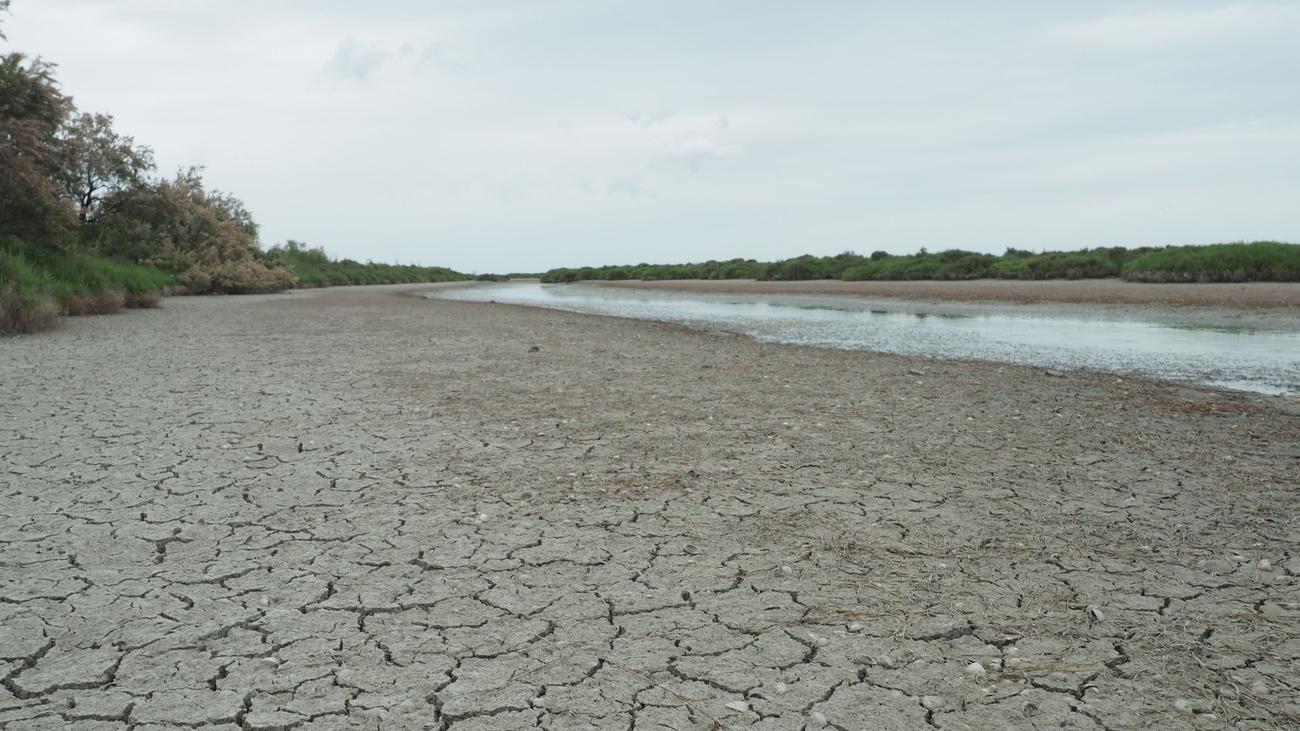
(1265, 295)
(356, 508)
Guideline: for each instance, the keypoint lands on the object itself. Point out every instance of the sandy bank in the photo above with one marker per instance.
(352, 508)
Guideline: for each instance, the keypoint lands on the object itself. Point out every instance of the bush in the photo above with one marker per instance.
(1261, 261)
(207, 237)
(1219, 263)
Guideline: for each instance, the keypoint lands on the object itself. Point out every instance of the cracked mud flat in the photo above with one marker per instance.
(355, 509)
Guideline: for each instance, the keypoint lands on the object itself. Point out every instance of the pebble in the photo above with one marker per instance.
(787, 570)
(782, 687)
(738, 706)
(885, 661)
(1182, 705)
(816, 719)
(855, 627)
(933, 702)
(1265, 565)
(975, 668)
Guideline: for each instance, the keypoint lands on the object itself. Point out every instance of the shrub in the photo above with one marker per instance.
(1221, 262)
(208, 237)
(1242, 262)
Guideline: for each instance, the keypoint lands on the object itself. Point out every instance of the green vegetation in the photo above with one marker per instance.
(312, 267)
(1262, 261)
(86, 229)
(1259, 261)
(37, 286)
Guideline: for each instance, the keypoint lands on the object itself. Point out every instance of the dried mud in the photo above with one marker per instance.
(357, 509)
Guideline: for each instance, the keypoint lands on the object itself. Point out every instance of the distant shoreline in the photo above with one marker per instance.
(1251, 295)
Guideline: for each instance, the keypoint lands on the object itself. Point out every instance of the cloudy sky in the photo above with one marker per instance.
(517, 136)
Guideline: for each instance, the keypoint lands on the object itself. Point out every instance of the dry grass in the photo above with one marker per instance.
(142, 300)
(22, 316)
(104, 302)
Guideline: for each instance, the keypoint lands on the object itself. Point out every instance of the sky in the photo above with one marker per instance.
(519, 136)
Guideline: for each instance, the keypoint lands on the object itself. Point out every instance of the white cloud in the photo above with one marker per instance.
(355, 60)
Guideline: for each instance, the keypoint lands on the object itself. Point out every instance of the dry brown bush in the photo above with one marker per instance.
(142, 300)
(104, 302)
(20, 316)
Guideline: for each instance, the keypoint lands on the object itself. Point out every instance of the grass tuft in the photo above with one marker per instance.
(143, 300)
(103, 302)
(21, 315)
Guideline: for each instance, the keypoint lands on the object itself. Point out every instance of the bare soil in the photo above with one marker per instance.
(357, 509)
(1081, 291)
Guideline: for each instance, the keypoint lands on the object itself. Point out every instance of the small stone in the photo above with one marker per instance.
(1182, 705)
(1096, 614)
(816, 719)
(975, 668)
(782, 687)
(821, 641)
(692, 549)
(1265, 565)
(915, 372)
(933, 702)
(1012, 651)
(855, 627)
(482, 517)
(885, 661)
(787, 571)
(1054, 373)
(738, 706)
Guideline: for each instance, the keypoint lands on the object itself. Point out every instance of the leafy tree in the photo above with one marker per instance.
(208, 237)
(31, 111)
(98, 162)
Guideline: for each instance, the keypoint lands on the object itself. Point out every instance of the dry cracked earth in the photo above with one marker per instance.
(358, 509)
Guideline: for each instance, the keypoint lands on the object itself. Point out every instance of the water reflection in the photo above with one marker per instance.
(1234, 357)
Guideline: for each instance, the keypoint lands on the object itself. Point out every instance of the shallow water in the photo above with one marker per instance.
(1067, 336)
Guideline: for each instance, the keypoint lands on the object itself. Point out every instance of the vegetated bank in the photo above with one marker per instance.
(86, 228)
(312, 267)
(1238, 262)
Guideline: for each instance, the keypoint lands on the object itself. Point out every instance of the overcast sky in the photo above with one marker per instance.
(517, 136)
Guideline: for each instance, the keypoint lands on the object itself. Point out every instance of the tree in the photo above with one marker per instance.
(208, 237)
(97, 162)
(31, 111)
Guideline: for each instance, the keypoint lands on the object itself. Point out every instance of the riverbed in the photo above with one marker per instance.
(1252, 354)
